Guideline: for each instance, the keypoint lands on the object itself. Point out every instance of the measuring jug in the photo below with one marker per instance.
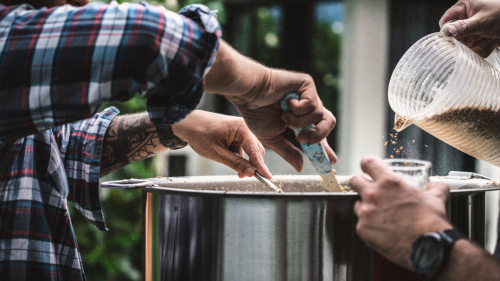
(450, 92)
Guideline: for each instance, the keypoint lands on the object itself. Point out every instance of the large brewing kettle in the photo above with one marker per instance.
(226, 228)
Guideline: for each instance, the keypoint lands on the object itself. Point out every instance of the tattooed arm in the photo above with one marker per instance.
(130, 138)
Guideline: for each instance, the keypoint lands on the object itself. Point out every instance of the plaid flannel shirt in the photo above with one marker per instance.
(57, 66)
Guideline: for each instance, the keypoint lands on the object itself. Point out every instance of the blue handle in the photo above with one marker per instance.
(315, 152)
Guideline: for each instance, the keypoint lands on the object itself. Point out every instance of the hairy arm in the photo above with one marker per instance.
(129, 138)
(470, 262)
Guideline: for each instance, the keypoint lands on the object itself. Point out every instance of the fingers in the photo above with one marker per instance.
(439, 190)
(454, 13)
(287, 151)
(256, 155)
(375, 167)
(321, 129)
(246, 142)
(329, 151)
(461, 28)
(308, 109)
(481, 45)
(235, 162)
(305, 105)
(359, 184)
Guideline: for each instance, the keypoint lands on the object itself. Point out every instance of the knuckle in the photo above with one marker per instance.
(329, 116)
(360, 229)
(367, 161)
(308, 78)
(369, 195)
(237, 164)
(334, 122)
(364, 211)
(319, 112)
(465, 26)
(253, 153)
(388, 181)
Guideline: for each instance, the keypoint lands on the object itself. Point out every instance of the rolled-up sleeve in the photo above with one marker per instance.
(186, 67)
(81, 147)
(59, 65)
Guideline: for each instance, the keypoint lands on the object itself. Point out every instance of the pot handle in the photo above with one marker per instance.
(127, 184)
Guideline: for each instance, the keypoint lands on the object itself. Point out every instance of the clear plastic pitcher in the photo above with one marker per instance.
(450, 92)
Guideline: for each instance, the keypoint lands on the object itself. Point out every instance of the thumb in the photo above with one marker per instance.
(461, 28)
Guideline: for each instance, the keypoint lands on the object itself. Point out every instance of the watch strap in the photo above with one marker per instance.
(452, 235)
(167, 137)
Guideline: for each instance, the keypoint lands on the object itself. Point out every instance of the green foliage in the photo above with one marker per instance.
(327, 48)
(267, 39)
(117, 253)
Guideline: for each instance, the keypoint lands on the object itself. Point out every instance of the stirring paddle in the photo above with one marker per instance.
(316, 153)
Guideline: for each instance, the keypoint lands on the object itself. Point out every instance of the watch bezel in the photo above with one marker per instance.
(417, 248)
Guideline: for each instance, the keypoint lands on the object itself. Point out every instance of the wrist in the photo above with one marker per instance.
(430, 253)
(167, 137)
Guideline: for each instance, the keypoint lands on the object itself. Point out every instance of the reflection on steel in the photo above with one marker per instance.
(226, 228)
(127, 184)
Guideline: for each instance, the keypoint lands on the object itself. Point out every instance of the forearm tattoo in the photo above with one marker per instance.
(128, 139)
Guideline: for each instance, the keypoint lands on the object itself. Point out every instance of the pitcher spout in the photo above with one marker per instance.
(401, 122)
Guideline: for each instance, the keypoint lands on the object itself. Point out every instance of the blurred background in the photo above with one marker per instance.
(349, 47)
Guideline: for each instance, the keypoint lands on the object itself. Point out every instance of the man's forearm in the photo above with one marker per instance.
(470, 262)
(129, 138)
(235, 75)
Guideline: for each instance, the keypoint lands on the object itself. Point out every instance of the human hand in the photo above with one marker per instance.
(393, 214)
(263, 114)
(256, 92)
(219, 137)
(475, 23)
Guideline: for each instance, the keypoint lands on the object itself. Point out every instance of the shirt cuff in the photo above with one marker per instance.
(85, 195)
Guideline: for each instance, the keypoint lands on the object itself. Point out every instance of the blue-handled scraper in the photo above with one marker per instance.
(316, 153)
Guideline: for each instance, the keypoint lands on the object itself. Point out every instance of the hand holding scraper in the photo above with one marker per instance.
(316, 153)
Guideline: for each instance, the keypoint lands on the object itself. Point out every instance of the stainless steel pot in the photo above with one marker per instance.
(226, 228)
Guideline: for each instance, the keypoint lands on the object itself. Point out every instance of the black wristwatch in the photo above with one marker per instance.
(430, 252)
(167, 137)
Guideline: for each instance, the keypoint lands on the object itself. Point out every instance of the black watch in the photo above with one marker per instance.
(167, 137)
(430, 252)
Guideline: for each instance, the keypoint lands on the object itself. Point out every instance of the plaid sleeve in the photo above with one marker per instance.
(186, 67)
(59, 65)
(81, 144)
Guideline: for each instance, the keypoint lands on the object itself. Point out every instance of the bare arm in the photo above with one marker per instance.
(470, 262)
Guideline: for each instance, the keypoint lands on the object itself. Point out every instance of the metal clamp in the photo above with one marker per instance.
(127, 184)
(467, 175)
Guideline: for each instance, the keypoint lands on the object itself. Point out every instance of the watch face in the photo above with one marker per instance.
(428, 254)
